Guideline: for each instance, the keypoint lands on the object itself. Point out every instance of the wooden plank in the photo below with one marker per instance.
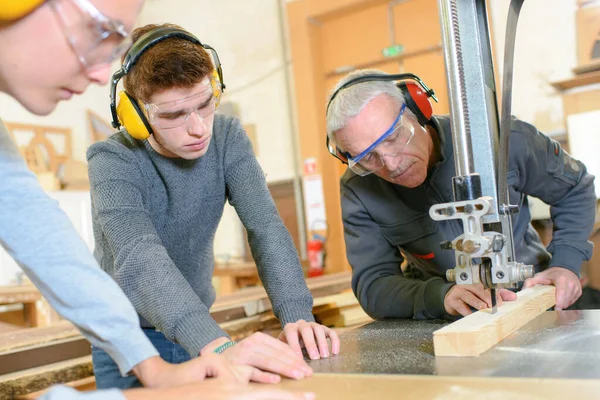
(35, 379)
(43, 354)
(19, 294)
(591, 67)
(476, 333)
(82, 385)
(248, 302)
(245, 327)
(35, 336)
(393, 387)
(588, 78)
(344, 317)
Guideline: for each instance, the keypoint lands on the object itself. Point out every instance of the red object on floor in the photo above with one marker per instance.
(316, 256)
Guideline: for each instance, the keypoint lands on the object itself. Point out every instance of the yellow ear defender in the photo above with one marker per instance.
(132, 117)
(215, 82)
(129, 114)
(11, 10)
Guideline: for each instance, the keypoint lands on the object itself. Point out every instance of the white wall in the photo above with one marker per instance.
(545, 52)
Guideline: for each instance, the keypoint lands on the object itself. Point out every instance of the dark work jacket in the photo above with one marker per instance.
(385, 223)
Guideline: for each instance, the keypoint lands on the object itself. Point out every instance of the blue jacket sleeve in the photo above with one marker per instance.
(549, 173)
(67, 393)
(377, 280)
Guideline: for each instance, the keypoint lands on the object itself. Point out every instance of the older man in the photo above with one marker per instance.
(400, 163)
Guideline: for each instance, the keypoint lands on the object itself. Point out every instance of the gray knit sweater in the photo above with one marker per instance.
(154, 223)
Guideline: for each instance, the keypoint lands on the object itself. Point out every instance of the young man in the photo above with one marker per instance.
(158, 191)
(401, 163)
(50, 50)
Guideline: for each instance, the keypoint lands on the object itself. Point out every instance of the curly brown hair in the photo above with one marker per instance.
(171, 63)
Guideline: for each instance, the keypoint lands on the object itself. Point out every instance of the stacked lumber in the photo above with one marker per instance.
(35, 358)
(247, 311)
(340, 310)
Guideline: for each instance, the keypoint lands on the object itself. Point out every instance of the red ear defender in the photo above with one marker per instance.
(417, 101)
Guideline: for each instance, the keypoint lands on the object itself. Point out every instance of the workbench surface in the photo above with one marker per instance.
(557, 344)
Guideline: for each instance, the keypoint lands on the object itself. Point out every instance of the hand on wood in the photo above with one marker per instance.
(461, 298)
(263, 359)
(311, 336)
(568, 285)
(157, 373)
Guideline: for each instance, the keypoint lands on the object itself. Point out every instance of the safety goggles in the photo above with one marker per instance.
(95, 38)
(390, 144)
(175, 113)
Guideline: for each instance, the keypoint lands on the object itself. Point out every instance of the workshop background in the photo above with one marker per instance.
(280, 59)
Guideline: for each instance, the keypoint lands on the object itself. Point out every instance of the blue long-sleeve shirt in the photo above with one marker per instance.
(67, 393)
(41, 238)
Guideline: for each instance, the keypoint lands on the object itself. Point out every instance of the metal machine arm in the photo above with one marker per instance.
(485, 252)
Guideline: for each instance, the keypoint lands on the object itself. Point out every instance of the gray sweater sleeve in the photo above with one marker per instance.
(377, 280)
(271, 244)
(142, 265)
(41, 238)
(548, 172)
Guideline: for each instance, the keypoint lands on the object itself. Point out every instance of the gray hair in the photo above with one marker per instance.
(351, 101)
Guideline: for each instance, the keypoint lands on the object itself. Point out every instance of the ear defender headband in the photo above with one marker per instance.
(129, 113)
(12, 10)
(416, 95)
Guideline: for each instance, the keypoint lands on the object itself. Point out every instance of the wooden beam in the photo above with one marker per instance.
(249, 302)
(43, 354)
(392, 387)
(476, 333)
(31, 380)
(589, 78)
(19, 294)
(21, 338)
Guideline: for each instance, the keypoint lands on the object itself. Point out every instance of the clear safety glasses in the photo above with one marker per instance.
(95, 39)
(177, 112)
(390, 144)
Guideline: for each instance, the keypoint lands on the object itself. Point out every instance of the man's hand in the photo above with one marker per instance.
(460, 298)
(268, 358)
(313, 336)
(154, 372)
(568, 285)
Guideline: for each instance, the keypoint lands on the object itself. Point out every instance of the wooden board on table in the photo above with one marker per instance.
(393, 387)
(17, 339)
(476, 333)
